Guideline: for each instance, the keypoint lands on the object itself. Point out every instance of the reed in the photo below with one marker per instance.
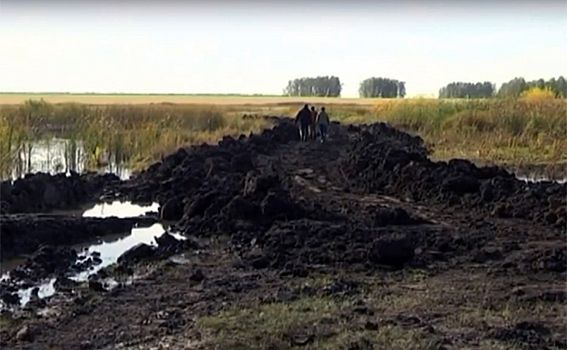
(132, 135)
(501, 131)
(490, 131)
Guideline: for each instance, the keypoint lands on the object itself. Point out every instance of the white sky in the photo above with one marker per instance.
(256, 47)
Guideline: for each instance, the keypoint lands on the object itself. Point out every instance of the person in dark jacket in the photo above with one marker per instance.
(304, 119)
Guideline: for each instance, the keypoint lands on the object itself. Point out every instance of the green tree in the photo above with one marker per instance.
(517, 86)
(327, 86)
(382, 87)
(513, 88)
(467, 90)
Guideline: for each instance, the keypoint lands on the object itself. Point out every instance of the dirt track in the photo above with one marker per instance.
(359, 243)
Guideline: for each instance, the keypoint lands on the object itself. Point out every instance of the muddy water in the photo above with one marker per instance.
(109, 247)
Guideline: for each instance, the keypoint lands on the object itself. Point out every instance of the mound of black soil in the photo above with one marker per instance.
(306, 243)
(240, 188)
(198, 170)
(25, 233)
(386, 162)
(243, 188)
(41, 192)
(237, 188)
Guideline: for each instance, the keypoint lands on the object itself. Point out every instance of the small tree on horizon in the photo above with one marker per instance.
(382, 88)
(327, 86)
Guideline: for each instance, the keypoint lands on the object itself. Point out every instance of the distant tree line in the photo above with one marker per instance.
(376, 87)
(382, 87)
(319, 86)
(468, 90)
(516, 86)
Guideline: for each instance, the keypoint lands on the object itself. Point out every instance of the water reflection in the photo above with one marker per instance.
(61, 155)
(119, 209)
(109, 247)
(46, 289)
(540, 179)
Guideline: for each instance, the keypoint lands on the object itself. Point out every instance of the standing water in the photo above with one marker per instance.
(540, 179)
(59, 155)
(109, 247)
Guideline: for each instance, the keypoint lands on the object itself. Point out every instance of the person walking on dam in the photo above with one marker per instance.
(304, 120)
(313, 125)
(323, 123)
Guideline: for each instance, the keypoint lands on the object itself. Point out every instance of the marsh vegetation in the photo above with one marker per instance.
(40, 136)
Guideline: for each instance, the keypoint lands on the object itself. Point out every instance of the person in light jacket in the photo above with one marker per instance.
(313, 123)
(323, 122)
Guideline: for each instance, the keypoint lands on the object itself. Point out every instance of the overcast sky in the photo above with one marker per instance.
(257, 46)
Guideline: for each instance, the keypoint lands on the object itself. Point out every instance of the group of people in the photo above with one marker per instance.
(312, 123)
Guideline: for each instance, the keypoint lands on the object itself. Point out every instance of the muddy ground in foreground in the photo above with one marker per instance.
(358, 243)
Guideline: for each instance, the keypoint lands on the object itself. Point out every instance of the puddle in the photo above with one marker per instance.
(119, 210)
(541, 179)
(109, 247)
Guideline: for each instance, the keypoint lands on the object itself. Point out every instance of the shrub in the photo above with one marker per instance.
(538, 93)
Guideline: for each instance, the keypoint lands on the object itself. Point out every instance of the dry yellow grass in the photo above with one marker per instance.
(6, 99)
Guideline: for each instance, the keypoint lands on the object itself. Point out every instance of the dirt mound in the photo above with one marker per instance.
(45, 261)
(41, 192)
(313, 210)
(394, 163)
(197, 185)
(242, 187)
(231, 188)
(201, 169)
(303, 244)
(24, 234)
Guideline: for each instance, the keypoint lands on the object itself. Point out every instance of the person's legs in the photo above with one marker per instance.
(304, 132)
(323, 129)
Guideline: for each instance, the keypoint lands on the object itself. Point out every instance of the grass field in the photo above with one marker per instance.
(224, 100)
(138, 129)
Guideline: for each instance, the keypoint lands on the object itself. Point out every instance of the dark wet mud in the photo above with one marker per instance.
(366, 223)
